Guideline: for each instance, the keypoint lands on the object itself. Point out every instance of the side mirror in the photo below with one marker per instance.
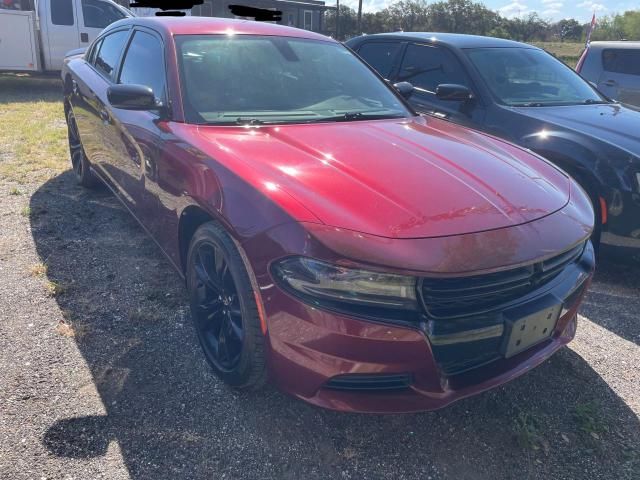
(453, 92)
(132, 97)
(404, 88)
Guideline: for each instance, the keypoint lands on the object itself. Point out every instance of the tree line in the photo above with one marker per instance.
(466, 16)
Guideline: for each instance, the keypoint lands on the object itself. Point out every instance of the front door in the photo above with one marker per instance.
(61, 34)
(620, 77)
(140, 133)
(426, 67)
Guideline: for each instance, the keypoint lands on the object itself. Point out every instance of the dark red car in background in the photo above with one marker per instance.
(362, 257)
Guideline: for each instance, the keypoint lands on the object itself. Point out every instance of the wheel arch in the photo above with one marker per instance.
(191, 218)
(580, 172)
(574, 155)
(589, 183)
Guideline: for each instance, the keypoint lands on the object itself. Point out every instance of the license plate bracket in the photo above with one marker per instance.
(529, 325)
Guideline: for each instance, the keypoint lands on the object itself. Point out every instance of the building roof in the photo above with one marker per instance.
(453, 39)
(220, 26)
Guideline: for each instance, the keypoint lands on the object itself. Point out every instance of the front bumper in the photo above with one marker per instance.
(309, 347)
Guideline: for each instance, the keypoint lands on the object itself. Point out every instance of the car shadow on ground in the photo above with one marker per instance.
(173, 419)
(614, 298)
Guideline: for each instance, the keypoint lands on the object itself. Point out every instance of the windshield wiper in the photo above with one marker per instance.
(531, 104)
(250, 121)
(591, 101)
(351, 116)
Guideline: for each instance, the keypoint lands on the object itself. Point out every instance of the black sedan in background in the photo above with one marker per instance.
(523, 94)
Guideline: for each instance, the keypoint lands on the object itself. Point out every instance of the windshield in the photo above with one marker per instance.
(238, 79)
(531, 78)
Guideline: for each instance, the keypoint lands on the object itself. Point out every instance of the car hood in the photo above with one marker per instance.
(408, 178)
(612, 123)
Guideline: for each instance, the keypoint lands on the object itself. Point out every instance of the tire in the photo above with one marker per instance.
(79, 163)
(224, 310)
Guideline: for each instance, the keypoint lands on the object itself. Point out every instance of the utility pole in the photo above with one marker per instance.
(359, 32)
(337, 19)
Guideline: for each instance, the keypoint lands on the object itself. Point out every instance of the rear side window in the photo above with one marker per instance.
(380, 55)
(91, 58)
(61, 12)
(144, 64)
(109, 53)
(99, 14)
(426, 67)
(622, 61)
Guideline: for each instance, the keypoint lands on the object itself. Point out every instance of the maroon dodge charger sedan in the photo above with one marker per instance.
(360, 256)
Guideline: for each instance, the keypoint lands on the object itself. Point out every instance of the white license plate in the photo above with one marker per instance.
(532, 329)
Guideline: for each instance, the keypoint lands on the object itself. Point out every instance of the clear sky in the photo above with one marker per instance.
(549, 9)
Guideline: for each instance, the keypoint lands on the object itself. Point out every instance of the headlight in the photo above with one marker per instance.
(361, 292)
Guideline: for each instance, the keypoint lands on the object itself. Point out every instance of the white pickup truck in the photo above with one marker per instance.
(35, 35)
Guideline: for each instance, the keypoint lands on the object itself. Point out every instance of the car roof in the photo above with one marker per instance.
(218, 26)
(621, 45)
(456, 40)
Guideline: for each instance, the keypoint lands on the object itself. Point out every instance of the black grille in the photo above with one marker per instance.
(370, 382)
(457, 297)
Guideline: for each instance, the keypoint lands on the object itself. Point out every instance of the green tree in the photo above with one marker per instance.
(348, 22)
(568, 29)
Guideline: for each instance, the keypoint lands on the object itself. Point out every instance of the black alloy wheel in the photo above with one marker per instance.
(224, 309)
(218, 312)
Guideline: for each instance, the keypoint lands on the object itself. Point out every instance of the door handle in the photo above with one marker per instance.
(610, 83)
(84, 37)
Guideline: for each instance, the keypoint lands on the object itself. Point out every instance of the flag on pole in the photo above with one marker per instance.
(591, 27)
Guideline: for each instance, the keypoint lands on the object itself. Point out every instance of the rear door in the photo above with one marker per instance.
(381, 56)
(94, 16)
(426, 67)
(109, 148)
(60, 31)
(620, 78)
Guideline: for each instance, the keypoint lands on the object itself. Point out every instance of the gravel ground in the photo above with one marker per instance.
(101, 377)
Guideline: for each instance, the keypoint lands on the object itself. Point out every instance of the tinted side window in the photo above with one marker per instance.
(144, 64)
(109, 53)
(99, 14)
(426, 67)
(91, 58)
(380, 55)
(61, 12)
(622, 61)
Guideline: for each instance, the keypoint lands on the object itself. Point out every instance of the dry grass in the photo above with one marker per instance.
(55, 289)
(568, 52)
(70, 327)
(38, 270)
(33, 145)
